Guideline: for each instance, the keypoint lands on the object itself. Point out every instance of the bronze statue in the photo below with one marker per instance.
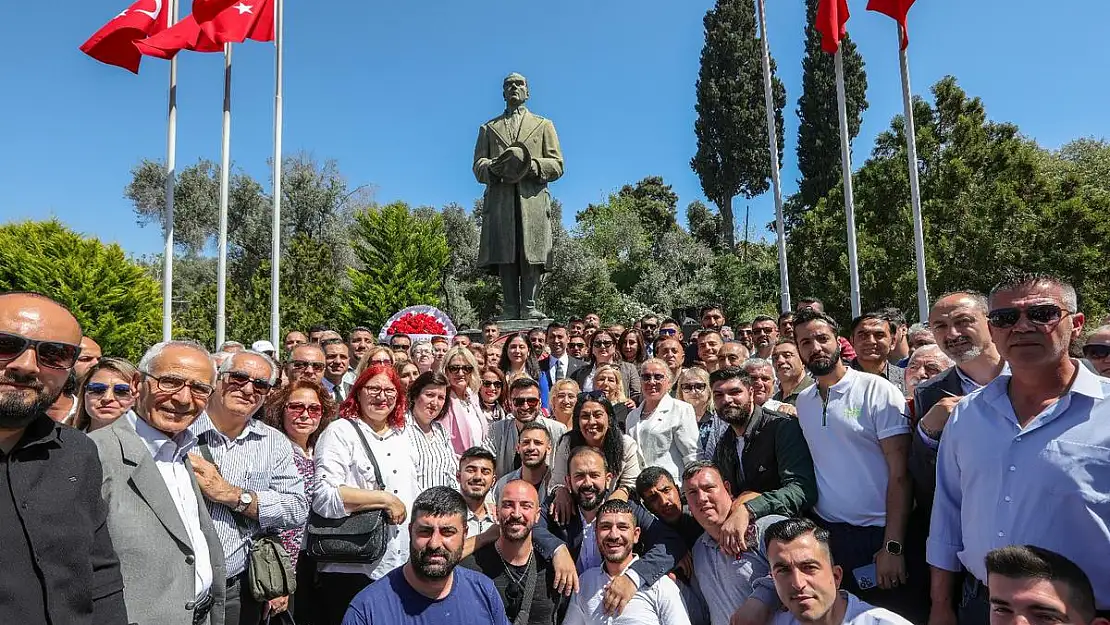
(516, 156)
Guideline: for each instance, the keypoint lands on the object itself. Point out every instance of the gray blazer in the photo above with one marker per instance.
(154, 550)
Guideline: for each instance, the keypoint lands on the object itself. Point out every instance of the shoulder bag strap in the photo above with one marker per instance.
(529, 590)
(373, 460)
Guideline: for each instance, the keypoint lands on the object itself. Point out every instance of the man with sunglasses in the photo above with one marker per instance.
(576, 347)
(1097, 350)
(59, 565)
(307, 362)
(765, 333)
(503, 435)
(245, 471)
(1024, 459)
(170, 554)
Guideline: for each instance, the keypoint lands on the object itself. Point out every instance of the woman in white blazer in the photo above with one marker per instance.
(665, 428)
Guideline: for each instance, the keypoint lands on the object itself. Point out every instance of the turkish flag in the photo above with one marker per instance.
(897, 10)
(114, 43)
(832, 15)
(206, 10)
(235, 25)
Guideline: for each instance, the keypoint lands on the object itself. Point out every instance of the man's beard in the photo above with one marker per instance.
(617, 558)
(427, 570)
(515, 533)
(534, 464)
(592, 504)
(970, 352)
(736, 414)
(16, 411)
(472, 495)
(820, 365)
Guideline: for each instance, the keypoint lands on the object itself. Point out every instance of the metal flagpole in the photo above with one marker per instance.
(846, 166)
(915, 184)
(225, 190)
(275, 270)
(171, 181)
(772, 137)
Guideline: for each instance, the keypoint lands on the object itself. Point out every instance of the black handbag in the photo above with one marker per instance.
(357, 539)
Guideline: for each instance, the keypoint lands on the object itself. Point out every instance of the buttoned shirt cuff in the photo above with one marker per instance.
(943, 555)
(929, 442)
(635, 577)
(763, 590)
(272, 510)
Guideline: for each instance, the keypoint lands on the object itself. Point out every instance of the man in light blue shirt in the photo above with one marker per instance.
(1025, 459)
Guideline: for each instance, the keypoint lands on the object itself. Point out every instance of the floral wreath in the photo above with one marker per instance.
(419, 322)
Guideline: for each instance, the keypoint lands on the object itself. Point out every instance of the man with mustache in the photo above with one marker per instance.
(859, 438)
(765, 333)
(513, 563)
(503, 435)
(59, 565)
(789, 370)
(533, 448)
(430, 588)
(659, 603)
(476, 466)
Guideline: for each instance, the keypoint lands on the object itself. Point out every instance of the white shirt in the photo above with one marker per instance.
(658, 604)
(668, 437)
(843, 436)
(554, 362)
(169, 456)
(342, 461)
(858, 613)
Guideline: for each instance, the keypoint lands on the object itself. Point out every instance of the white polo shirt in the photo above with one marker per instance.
(843, 436)
(859, 612)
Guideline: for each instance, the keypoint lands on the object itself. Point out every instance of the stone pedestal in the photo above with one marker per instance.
(510, 326)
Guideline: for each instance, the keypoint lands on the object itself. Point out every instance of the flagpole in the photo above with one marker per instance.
(772, 137)
(171, 182)
(275, 253)
(846, 166)
(225, 191)
(915, 184)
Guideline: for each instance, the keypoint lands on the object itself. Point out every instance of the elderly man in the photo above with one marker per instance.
(172, 560)
(926, 363)
(732, 354)
(762, 373)
(246, 473)
(1097, 350)
(307, 362)
(918, 336)
(790, 371)
(59, 565)
(1023, 460)
(90, 355)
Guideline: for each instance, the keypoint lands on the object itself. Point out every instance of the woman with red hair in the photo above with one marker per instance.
(347, 482)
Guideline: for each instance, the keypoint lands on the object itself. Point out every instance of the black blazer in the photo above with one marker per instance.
(923, 459)
(661, 546)
(573, 365)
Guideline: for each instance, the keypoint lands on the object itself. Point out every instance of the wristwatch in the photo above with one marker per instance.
(893, 547)
(246, 498)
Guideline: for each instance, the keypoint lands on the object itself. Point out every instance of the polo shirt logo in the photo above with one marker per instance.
(852, 413)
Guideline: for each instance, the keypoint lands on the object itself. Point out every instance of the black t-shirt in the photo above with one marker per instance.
(688, 529)
(510, 581)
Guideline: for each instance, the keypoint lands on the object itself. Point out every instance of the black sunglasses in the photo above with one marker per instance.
(99, 388)
(460, 369)
(1038, 314)
(52, 354)
(241, 379)
(306, 364)
(1095, 351)
(492, 384)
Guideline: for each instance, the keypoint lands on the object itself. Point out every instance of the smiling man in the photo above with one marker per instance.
(790, 370)
(337, 363)
(1097, 350)
(872, 336)
(476, 477)
(533, 448)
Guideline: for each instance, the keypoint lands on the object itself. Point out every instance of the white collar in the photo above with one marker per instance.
(155, 440)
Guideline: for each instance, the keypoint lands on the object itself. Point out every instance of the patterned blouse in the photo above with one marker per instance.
(293, 540)
(437, 462)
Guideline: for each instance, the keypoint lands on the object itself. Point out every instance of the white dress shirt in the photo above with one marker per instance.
(342, 461)
(554, 362)
(169, 456)
(668, 437)
(658, 604)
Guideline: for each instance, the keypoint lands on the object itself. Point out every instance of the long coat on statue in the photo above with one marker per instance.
(527, 201)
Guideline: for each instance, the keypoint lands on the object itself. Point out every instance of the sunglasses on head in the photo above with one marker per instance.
(460, 369)
(492, 384)
(239, 378)
(306, 364)
(299, 408)
(1095, 351)
(594, 394)
(1038, 314)
(531, 402)
(51, 354)
(99, 388)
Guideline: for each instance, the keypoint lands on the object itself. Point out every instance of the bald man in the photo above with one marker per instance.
(59, 563)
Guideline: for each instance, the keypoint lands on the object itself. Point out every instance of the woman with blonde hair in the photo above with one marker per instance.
(465, 422)
(564, 395)
(105, 394)
(693, 388)
(609, 379)
(376, 355)
(665, 428)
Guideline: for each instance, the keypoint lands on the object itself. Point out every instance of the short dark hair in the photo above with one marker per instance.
(536, 330)
(759, 318)
(1032, 562)
(423, 381)
(618, 506)
(1016, 279)
(671, 320)
(808, 315)
(534, 426)
(711, 306)
(351, 334)
(730, 373)
(695, 467)
(478, 453)
(522, 383)
(574, 320)
(649, 477)
(789, 530)
(649, 316)
(555, 325)
(398, 335)
(808, 302)
(586, 449)
(787, 314)
(440, 501)
(702, 333)
(894, 315)
(319, 327)
(326, 342)
(786, 341)
(871, 316)
(489, 322)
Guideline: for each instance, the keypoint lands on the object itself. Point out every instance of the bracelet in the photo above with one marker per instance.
(934, 435)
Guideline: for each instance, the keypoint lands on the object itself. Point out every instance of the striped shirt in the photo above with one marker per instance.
(436, 462)
(259, 460)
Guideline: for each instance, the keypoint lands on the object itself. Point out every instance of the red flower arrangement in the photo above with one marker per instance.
(417, 323)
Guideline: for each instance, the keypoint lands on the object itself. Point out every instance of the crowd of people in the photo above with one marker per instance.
(783, 470)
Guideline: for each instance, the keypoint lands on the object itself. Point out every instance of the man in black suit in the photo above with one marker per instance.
(559, 365)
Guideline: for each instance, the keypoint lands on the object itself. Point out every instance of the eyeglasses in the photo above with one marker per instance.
(307, 364)
(238, 378)
(767, 330)
(603, 344)
(299, 408)
(492, 384)
(667, 332)
(377, 391)
(521, 402)
(99, 388)
(1095, 351)
(173, 384)
(1038, 314)
(652, 377)
(381, 361)
(693, 387)
(460, 369)
(576, 345)
(51, 354)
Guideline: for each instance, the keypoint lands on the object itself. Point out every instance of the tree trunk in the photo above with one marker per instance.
(728, 223)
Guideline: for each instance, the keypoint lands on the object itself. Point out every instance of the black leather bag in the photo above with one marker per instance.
(356, 539)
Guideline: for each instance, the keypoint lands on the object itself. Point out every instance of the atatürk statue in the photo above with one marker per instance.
(516, 156)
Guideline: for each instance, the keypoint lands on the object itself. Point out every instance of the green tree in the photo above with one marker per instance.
(113, 298)
(402, 258)
(733, 157)
(705, 226)
(818, 147)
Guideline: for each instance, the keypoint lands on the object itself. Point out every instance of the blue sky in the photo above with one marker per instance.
(395, 92)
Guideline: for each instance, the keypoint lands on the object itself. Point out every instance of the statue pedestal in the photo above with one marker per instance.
(509, 326)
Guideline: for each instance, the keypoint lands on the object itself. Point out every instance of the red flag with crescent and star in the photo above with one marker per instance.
(896, 10)
(207, 10)
(114, 43)
(252, 19)
(832, 15)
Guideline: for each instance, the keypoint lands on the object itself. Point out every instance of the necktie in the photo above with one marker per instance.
(337, 391)
(558, 369)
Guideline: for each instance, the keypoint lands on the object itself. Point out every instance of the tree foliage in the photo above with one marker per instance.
(733, 156)
(116, 302)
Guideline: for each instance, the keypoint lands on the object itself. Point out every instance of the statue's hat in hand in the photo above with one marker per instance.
(513, 164)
